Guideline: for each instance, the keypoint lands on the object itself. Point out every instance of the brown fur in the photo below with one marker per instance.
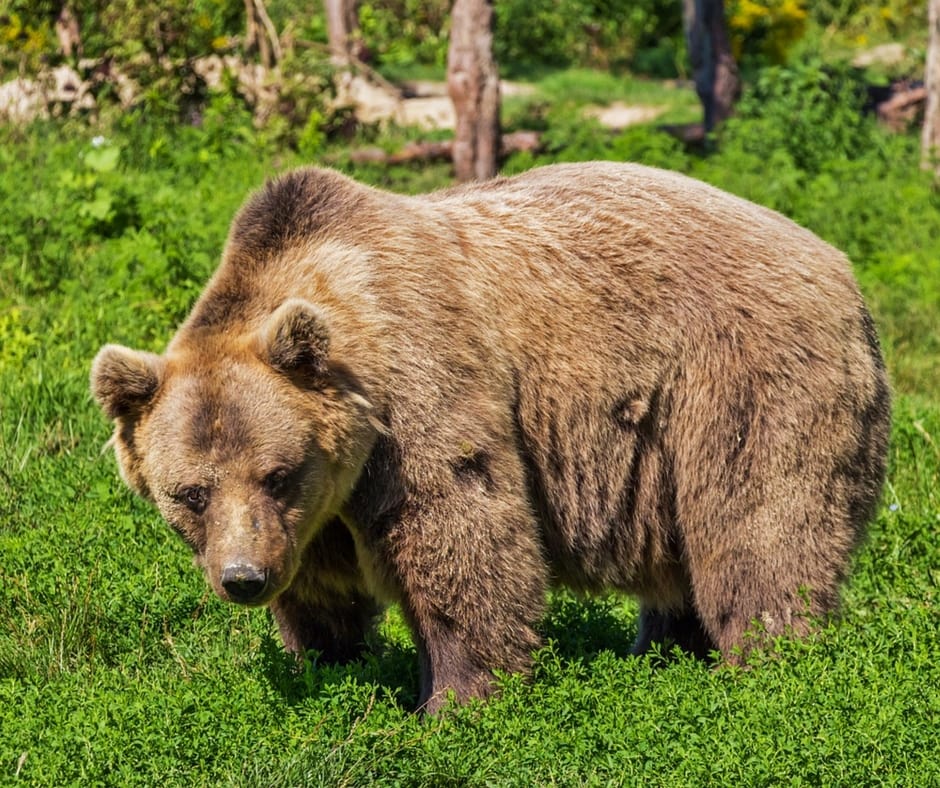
(599, 375)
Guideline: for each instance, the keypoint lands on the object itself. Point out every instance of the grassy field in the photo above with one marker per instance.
(116, 665)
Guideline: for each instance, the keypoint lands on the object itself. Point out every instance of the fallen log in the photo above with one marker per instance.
(516, 142)
(904, 107)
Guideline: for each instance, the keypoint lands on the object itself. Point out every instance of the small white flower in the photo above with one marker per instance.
(894, 507)
(98, 141)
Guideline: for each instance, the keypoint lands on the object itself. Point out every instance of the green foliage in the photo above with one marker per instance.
(16, 342)
(867, 20)
(154, 46)
(593, 33)
(808, 113)
(764, 31)
(532, 33)
(122, 29)
(24, 41)
(305, 116)
(849, 27)
(406, 32)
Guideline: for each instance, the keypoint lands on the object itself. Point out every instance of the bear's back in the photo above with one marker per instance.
(665, 335)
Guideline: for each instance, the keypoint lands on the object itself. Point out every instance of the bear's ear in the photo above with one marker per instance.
(124, 381)
(296, 338)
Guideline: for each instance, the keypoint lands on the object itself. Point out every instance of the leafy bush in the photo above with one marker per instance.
(406, 32)
(596, 33)
(24, 42)
(864, 20)
(122, 29)
(532, 33)
(808, 113)
(765, 30)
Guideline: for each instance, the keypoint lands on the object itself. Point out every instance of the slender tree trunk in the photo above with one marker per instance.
(473, 84)
(67, 31)
(260, 34)
(713, 67)
(930, 140)
(342, 19)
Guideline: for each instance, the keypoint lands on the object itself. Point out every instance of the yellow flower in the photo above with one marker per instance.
(766, 26)
(37, 40)
(11, 32)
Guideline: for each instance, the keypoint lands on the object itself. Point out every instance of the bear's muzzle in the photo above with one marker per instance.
(244, 583)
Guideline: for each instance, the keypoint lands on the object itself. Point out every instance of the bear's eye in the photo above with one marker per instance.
(195, 498)
(277, 482)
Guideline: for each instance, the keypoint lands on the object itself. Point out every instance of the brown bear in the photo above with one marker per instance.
(603, 376)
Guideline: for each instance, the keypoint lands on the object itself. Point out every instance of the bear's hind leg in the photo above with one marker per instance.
(745, 601)
(667, 629)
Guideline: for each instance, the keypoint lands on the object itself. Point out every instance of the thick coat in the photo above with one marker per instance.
(599, 375)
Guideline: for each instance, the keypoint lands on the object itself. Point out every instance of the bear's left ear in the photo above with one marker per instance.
(296, 338)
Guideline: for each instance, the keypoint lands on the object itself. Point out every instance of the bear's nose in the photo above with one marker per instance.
(243, 582)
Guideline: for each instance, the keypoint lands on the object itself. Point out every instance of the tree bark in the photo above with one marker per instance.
(713, 67)
(342, 20)
(67, 31)
(473, 85)
(930, 139)
(260, 34)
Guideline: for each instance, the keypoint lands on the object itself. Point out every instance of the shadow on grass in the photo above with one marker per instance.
(579, 629)
(392, 668)
(583, 627)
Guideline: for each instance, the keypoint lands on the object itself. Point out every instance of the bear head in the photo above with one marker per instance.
(247, 444)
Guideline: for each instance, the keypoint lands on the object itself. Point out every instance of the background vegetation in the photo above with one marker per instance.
(118, 667)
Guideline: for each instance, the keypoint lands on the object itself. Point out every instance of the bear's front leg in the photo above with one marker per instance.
(326, 608)
(472, 581)
(333, 625)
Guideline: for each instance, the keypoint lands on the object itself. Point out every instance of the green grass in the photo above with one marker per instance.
(584, 86)
(117, 667)
(560, 94)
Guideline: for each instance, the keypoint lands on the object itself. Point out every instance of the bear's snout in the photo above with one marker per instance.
(244, 583)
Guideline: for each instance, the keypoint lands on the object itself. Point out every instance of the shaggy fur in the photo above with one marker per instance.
(600, 375)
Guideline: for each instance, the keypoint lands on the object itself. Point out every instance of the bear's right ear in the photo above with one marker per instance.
(124, 381)
(296, 338)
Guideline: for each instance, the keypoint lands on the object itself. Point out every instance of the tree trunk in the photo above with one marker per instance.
(473, 84)
(342, 20)
(713, 67)
(930, 140)
(260, 34)
(66, 30)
